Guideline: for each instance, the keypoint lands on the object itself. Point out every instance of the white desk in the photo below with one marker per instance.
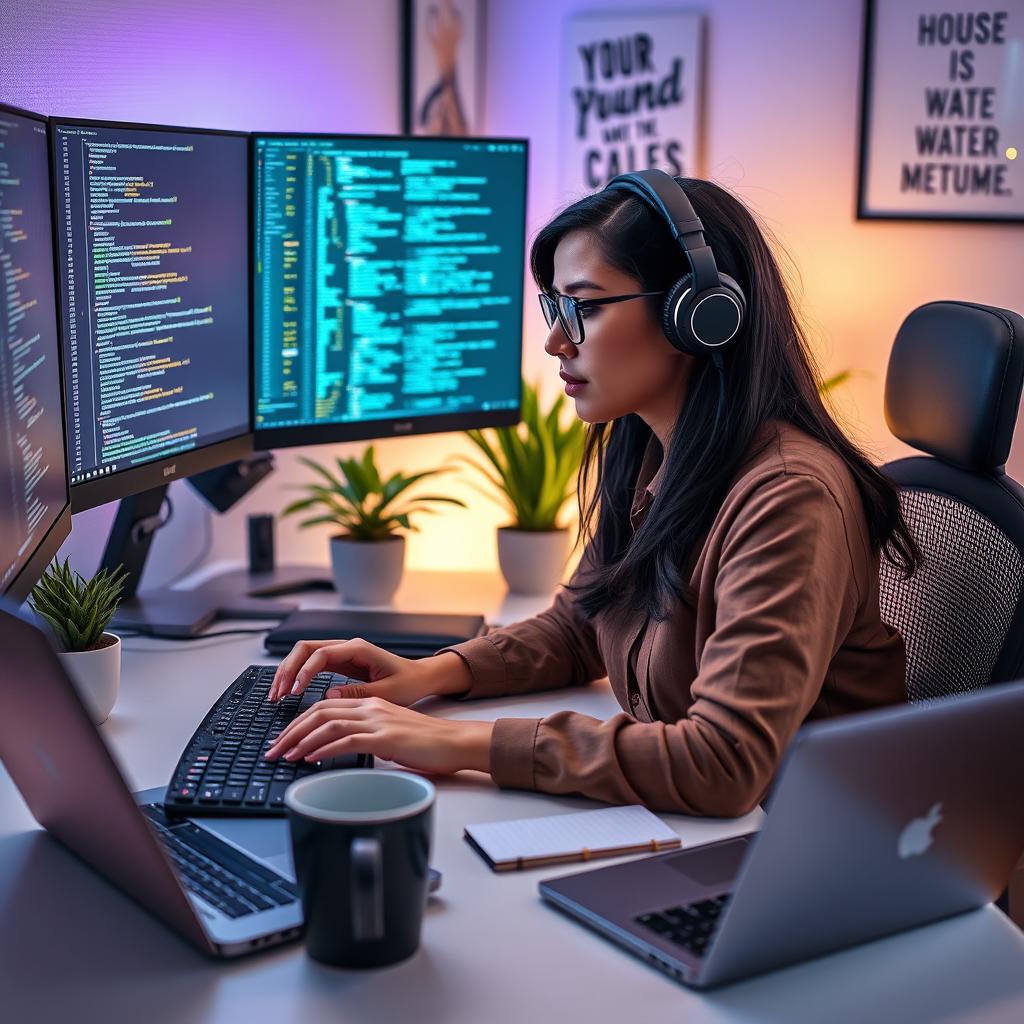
(72, 947)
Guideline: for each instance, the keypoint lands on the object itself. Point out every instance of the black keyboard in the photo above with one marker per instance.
(223, 772)
(217, 872)
(689, 926)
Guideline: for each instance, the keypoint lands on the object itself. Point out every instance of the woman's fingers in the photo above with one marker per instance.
(313, 719)
(284, 677)
(315, 663)
(349, 657)
(329, 732)
(354, 743)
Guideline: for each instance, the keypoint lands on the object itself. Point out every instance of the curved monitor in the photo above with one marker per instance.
(153, 258)
(387, 285)
(35, 515)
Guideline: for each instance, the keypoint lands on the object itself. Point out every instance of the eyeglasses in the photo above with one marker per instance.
(568, 310)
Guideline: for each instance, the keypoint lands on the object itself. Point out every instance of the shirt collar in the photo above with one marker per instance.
(649, 477)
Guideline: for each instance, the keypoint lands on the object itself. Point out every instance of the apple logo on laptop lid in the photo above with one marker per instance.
(917, 837)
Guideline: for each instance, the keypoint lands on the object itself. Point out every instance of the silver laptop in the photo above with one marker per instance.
(227, 885)
(879, 822)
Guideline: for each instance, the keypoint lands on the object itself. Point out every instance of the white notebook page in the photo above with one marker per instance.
(557, 834)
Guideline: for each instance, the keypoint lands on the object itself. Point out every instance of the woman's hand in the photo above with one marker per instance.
(398, 680)
(372, 725)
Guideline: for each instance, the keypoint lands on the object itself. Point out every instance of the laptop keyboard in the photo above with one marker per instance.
(689, 926)
(218, 873)
(222, 770)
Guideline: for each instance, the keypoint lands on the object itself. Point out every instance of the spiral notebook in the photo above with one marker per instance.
(561, 838)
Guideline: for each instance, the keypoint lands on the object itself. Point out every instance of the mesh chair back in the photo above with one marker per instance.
(960, 614)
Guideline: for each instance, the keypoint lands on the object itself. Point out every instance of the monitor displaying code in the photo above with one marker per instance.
(33, 481)
(152, 233)
(388, 280)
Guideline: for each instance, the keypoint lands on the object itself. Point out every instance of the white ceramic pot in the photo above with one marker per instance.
(97, 676)
(532, 561)
(367, 571)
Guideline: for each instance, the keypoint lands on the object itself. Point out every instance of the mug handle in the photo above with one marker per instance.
(367, 891)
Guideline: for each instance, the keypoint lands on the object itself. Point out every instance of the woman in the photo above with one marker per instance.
(729, 586)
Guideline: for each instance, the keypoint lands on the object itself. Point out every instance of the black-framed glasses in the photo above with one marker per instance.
(568, 310)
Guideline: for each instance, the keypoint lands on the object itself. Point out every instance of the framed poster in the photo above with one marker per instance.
(631, 96)
(942, 111)
(442, 50)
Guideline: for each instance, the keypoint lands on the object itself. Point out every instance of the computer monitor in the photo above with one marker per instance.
(387, 285)
(153, 258)
(35, 515)
(152, 239)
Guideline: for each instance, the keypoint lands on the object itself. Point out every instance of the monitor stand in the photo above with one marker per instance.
(165, 611)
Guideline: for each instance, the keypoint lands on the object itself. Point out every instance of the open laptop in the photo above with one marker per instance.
(879, 822)
(226, 885)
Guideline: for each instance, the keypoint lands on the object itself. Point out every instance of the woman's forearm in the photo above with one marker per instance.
(447, 675)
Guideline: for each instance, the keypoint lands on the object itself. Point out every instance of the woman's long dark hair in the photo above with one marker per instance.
(769, 374)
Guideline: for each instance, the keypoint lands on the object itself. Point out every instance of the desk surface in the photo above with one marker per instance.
(492, 951)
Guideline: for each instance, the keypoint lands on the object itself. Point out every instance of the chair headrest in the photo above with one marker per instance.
(954, 382)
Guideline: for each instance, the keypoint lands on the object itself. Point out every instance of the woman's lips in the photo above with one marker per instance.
(573, 385)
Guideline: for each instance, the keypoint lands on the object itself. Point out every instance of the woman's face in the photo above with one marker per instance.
(625, 364)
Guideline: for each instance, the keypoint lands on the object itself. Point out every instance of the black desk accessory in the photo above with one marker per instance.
(409, 634)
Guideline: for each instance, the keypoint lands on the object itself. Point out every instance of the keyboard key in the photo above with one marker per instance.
(232, 794)
(285, 888)
(256, 793)
(257, 901)
(656, 923)
(276, 796)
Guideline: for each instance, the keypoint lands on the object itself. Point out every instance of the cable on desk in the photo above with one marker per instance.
(202, 636)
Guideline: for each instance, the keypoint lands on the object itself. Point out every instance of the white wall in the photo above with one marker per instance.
(781, 130)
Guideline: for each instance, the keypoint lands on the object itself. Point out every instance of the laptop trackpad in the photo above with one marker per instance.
(265, 838)
(712, 866)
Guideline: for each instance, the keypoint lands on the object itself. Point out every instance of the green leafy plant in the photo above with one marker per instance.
(362, 504)
(76, 609)
(533, 465)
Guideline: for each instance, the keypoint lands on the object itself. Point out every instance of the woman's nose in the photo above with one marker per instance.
(557, 342)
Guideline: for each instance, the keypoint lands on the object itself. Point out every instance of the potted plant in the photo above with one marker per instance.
(368, 555)
(533, 468)
(78, 612)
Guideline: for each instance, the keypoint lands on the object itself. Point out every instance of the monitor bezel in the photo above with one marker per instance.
(28, 575)
(373, 429)
(128, 482)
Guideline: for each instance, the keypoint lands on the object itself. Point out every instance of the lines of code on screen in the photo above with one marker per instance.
(33, 486)
(153, 256)
(388, 278)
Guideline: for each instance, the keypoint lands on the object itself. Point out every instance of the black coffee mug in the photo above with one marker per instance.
(361, 845)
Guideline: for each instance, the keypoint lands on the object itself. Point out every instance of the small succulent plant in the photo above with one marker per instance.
(76, 609)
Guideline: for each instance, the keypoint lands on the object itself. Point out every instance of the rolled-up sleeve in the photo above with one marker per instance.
(785, 596)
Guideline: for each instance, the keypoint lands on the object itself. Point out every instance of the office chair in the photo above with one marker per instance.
(952, 390)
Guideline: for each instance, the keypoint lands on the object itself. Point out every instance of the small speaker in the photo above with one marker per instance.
(261, 543)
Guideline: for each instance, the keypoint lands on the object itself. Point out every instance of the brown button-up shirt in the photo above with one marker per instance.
(785, 628)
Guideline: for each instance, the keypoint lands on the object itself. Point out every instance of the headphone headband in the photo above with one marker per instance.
(668, 198)
(704, 310)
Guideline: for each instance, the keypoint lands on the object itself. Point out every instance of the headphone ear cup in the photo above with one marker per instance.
(670, 321)
(737, 294)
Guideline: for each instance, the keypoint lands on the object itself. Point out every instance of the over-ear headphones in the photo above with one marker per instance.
(704, 309)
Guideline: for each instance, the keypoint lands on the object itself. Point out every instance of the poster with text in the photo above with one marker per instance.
(942, 110)
(630, 96)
